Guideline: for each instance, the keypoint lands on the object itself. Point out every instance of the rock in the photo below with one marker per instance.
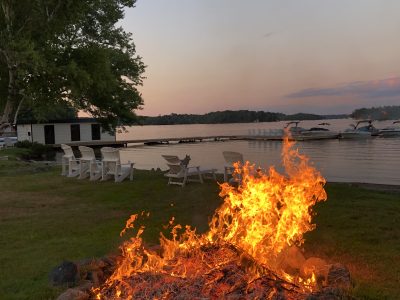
(100, 263)
(73, 294)
(339, 276)
(66, 273)
(84, 286)
(315, 265)
(96, 276)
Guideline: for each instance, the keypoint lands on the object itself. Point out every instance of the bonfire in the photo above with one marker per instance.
(251, 250)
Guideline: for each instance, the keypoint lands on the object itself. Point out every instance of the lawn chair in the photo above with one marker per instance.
(89, 166)
(231, 158)
(112, 167)
(70, 165)
(179, 172)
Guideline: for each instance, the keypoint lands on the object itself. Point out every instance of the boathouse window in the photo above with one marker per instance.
(95, 132)
(75, 132)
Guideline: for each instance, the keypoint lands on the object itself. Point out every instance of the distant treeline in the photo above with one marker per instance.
(229, 116)
(377, 113)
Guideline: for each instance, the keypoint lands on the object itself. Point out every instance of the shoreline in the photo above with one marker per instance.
(372, 186)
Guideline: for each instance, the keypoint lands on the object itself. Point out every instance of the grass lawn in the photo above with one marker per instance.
(46, 218)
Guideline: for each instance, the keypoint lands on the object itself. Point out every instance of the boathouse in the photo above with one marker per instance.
(70, 131)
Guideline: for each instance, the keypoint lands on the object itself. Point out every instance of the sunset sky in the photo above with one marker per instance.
(312, 56)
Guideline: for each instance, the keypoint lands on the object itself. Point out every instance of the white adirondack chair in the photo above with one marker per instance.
(70, 165)
(180, 173)
(231, 158)
(89, 166)
(112, 167)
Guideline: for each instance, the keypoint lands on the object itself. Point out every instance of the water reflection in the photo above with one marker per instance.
(373, 160)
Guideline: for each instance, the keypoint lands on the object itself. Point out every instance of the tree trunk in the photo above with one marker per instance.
(12, 98)
(17, 111)
(5, 120)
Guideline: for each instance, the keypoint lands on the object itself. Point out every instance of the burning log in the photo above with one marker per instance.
(230, 279)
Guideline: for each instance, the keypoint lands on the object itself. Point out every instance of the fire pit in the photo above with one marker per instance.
(251, 250)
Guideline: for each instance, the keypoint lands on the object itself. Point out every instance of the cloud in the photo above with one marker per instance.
(372, 89)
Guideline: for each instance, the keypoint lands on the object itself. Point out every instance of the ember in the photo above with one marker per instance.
(250, 250)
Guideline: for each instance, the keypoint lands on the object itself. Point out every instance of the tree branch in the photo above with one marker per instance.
(5, 55)
(52, 14)
(6, 7)
(23, 26)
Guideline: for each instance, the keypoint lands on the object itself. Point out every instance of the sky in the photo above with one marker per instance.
(326, 57)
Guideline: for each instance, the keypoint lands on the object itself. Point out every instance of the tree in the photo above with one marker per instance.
(68, 51)
(62, 111)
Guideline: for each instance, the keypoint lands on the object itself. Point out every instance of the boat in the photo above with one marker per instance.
(314, 133)
(391, 131)
(359, 132)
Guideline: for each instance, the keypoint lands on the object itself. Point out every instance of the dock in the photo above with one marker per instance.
(253, 135)
(161, 141)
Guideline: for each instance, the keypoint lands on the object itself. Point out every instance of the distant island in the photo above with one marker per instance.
(248, 116)
(230, 116)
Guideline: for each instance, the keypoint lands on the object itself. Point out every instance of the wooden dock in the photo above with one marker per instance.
(161, 141)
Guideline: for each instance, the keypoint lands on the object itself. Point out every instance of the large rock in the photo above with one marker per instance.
(66, 273)
(73, 294)
(339, 276)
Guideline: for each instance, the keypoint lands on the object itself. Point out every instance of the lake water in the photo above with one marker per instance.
(375, 160)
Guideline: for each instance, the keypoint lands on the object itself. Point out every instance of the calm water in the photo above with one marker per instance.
(375, 160)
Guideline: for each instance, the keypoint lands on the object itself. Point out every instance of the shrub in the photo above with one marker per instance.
(36, 151)
(23, 144)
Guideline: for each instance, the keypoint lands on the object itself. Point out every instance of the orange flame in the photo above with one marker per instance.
(269, 212)
(263, 217)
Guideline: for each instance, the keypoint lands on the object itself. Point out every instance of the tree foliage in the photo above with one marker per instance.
(229, 116)
(62, 111)
(69, 51)
(377, 113)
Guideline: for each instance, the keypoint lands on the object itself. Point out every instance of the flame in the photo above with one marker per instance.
(260, 219)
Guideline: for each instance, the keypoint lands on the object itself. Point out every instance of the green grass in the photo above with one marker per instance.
(46, 218)
(360, 228)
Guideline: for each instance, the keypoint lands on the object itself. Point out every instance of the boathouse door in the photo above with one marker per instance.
(49, 137)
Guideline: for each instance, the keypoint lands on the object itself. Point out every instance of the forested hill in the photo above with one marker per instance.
(229, 116)
(377, 113)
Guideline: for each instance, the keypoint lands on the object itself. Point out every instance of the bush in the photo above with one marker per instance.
(36, 151)
(23, 144)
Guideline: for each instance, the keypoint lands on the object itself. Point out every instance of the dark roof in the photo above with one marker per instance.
(74, 120)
